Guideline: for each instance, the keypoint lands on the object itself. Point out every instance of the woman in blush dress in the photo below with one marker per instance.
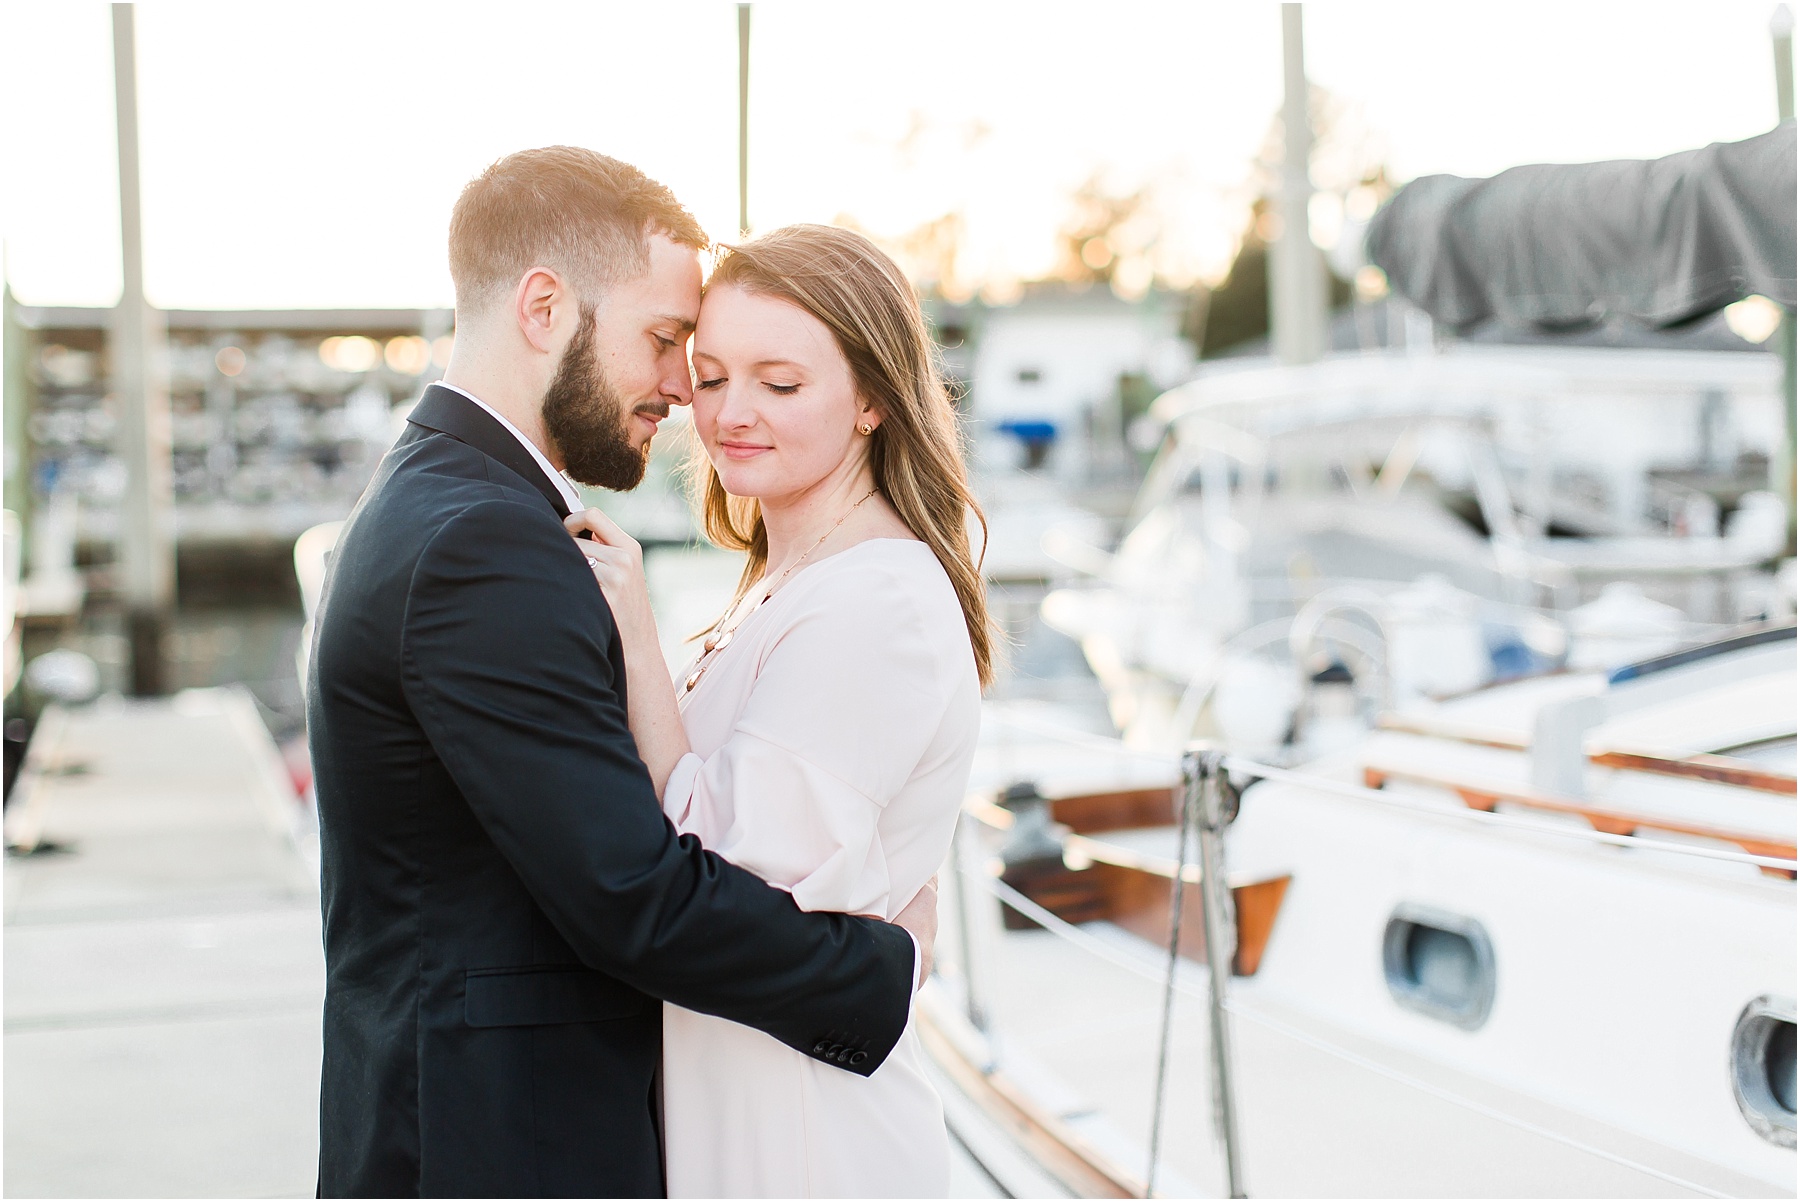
(823, 736)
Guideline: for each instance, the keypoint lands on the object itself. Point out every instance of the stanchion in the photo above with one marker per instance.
(966, 855)
(1203, 774)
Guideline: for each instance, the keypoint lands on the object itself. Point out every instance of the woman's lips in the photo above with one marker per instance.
(741, 450)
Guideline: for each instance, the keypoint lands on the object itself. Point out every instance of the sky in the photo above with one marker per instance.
(307, 155)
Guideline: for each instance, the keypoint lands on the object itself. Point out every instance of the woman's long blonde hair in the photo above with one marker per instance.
(845, 281)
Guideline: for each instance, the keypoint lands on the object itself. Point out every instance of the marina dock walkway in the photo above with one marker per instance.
(163, 968)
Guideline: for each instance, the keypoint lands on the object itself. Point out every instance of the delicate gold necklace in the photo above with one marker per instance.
(719, 639)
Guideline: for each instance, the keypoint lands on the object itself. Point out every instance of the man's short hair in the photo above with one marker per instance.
(583, 214)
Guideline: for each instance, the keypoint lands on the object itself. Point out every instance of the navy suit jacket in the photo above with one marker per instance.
(504, 901)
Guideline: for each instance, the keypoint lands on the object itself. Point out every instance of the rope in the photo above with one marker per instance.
(1324, 784)
(1135, 964)
(1168, 1013)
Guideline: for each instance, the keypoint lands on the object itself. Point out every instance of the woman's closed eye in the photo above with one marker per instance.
(719, 382)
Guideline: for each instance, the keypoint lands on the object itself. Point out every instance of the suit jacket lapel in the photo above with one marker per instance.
(448, 412)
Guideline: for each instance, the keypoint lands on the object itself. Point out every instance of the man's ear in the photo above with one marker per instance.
(537, 304)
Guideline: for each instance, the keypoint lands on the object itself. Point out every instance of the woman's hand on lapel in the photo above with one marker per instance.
(618, 565)
(655, 717)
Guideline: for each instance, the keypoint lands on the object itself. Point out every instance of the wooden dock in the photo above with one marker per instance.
(163, 968)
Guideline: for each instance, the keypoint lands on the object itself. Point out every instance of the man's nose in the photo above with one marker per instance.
(678, 388)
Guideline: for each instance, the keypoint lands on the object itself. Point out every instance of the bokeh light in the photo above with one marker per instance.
(408, 354)
(352, 353)
(1371, 283)
(1754, 318)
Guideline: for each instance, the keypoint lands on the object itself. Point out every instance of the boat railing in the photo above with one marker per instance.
(1250, 769)
(1720, 769)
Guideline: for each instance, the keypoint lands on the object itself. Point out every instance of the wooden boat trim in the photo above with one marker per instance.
(1719, 769)
(1082, 1168)
(1484, 796)
(1080, 850)
(1114, 888)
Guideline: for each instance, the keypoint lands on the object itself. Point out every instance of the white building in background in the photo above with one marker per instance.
(1058, 355)
(1056, 364)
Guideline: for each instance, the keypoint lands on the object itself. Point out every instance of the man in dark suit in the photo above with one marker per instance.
(504, 902)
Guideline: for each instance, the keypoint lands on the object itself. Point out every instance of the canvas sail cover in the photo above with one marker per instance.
(1658, 242)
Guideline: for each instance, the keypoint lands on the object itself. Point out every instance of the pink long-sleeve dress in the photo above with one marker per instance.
(832, 743)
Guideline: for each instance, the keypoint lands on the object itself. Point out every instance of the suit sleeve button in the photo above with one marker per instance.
(859, 1058)
(819, 1048)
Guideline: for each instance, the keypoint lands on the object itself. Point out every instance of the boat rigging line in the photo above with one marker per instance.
(1168, 1005)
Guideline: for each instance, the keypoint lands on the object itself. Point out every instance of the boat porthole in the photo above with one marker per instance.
(1762, 1068)
(1439, 964)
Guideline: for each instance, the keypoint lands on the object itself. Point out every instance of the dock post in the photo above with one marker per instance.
(138, 348)
(743, 15)
(1203, 774)
(1299, 320)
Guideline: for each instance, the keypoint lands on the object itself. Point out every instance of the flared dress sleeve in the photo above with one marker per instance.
(845, 706)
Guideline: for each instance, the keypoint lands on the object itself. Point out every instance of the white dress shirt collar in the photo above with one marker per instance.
(555, 477)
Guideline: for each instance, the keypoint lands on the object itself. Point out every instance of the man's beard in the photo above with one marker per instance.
(584, 417)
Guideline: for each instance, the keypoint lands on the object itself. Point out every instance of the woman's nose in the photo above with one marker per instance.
(736, 412)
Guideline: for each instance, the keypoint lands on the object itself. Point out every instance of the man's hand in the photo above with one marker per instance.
(919, 919)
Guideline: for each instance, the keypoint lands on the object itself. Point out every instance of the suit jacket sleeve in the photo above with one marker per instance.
(506, 664)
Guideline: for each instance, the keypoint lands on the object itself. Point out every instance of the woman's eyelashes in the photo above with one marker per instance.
(777, 389)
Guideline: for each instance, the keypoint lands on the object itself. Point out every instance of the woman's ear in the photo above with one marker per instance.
(868, 420)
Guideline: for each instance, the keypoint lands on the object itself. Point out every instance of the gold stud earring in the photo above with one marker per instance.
(865, 429)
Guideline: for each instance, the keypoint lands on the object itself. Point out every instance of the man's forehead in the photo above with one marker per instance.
(672, 285)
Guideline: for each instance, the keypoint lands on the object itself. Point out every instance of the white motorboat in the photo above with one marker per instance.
(1347, 482)
(1537, 940)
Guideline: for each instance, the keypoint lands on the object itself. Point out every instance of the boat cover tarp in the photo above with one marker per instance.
(1658, 242)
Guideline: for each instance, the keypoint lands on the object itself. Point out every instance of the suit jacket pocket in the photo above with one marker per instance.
(545, 995)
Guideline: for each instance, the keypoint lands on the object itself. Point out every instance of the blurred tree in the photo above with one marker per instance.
(1349, 173)
(931, 254)
(1109, 238)
(1237, 311)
